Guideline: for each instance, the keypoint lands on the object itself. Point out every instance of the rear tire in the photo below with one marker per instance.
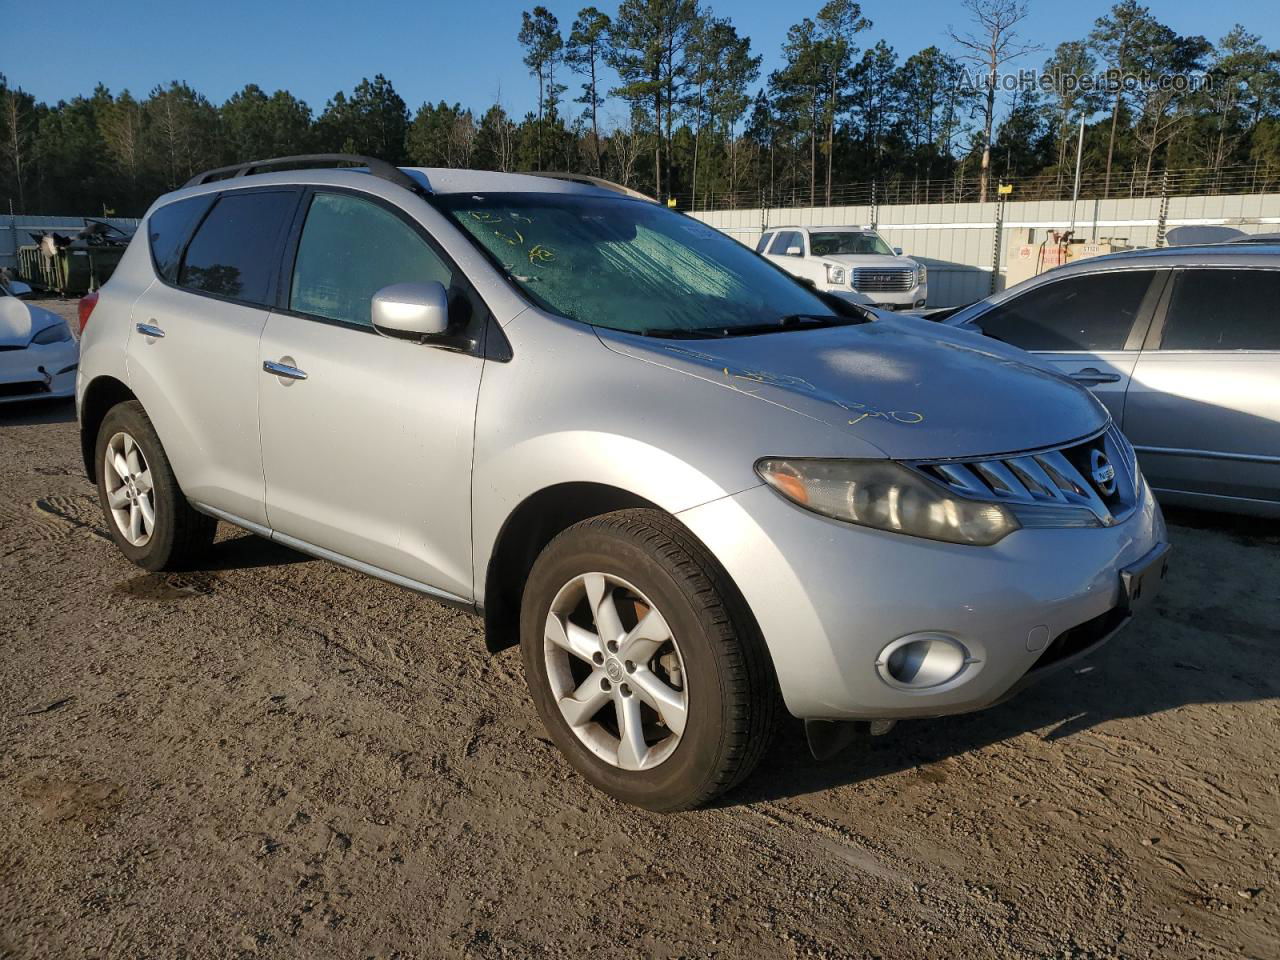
(148, 516)
(689, 666)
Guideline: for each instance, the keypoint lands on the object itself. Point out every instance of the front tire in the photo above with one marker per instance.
(643, 662)
(147, 514)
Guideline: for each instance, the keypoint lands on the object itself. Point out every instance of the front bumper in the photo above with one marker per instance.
(38, 372)
(829, 596)
(912, 299)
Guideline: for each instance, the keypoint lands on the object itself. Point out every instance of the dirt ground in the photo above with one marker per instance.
(274, 757)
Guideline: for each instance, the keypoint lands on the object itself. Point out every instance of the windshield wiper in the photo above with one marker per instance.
(685, 333)
(792, 321)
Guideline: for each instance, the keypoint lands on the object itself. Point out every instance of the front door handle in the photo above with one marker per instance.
(283, 370)
(149, 330)
(1092, 375)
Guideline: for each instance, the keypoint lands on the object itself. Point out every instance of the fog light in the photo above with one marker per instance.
(922, 661)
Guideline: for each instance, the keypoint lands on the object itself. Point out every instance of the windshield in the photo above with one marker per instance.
(631, 265)
(847, 242)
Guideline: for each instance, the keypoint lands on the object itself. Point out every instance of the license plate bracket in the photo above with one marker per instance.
(1141, 581)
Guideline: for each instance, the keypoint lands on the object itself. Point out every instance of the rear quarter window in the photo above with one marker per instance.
(168, 230)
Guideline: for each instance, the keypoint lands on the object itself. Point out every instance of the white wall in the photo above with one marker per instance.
(955, 240)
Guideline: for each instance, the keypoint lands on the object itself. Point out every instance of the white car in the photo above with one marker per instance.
(38, 354)
(854, 263)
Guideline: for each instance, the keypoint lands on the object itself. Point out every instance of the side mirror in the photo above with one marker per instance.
(411, 311)
(795, 251)
(897, 251)
(19, 289)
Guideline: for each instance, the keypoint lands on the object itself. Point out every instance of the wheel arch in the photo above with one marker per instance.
(534, 523)
(100, 396)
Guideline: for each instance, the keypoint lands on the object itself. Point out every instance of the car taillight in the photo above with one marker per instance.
(87, 303)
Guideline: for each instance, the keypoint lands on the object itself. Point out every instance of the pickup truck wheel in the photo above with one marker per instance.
(644, 665)
(149, 518)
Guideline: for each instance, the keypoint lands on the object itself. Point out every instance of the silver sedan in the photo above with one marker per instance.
(1183, 345)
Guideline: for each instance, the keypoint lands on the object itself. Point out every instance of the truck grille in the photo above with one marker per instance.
(1099, 474)
(886, 280)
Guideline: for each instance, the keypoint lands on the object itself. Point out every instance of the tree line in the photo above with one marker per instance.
(686, 112)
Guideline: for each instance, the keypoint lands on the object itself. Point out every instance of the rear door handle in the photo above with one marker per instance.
(149, 330)
(283, 370)
(1090, 375)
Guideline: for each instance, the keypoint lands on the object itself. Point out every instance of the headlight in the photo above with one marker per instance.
(58, 333)
(886, 496)
(836, 274)
(922, 273)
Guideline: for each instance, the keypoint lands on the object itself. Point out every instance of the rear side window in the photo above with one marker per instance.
(1223, 310)
(763, 242)
(1090, 313)
(352, 248)
(236, 250)
(168, 230)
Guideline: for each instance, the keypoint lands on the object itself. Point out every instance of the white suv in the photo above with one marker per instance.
(852, 262)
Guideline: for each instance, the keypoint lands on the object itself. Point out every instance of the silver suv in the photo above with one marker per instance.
(692, 488)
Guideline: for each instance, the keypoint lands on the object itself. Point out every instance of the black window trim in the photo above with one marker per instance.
(470, 340)
(1143, 321)
(182, 259)
(1155, 337)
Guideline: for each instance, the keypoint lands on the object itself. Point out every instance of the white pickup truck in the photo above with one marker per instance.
(852, 262)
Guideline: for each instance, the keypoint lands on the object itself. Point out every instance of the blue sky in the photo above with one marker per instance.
(460, 52)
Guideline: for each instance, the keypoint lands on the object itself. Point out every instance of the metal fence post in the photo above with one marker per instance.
(1164, 209)
(995, 245)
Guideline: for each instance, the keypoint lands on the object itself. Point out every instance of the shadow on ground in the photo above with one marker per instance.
(249, 551)
(26, 413)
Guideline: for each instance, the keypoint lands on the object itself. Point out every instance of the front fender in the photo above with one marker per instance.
(566, 409)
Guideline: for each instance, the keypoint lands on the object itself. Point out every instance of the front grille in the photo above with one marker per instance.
(888, 280)
(22, 388)
(1056, 482)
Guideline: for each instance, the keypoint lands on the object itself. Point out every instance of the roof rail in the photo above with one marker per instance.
(378, 168)
(591, 182)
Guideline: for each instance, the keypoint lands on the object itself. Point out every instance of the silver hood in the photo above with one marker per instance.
(902, 388)
(870, 261)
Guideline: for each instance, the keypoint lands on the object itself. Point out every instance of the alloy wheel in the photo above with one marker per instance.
(615, 671)
(130, 494)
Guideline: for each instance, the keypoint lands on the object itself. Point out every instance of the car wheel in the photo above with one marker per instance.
(149, 518)
(644, 664)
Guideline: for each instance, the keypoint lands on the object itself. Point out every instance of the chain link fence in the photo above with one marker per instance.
(1123, 184)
